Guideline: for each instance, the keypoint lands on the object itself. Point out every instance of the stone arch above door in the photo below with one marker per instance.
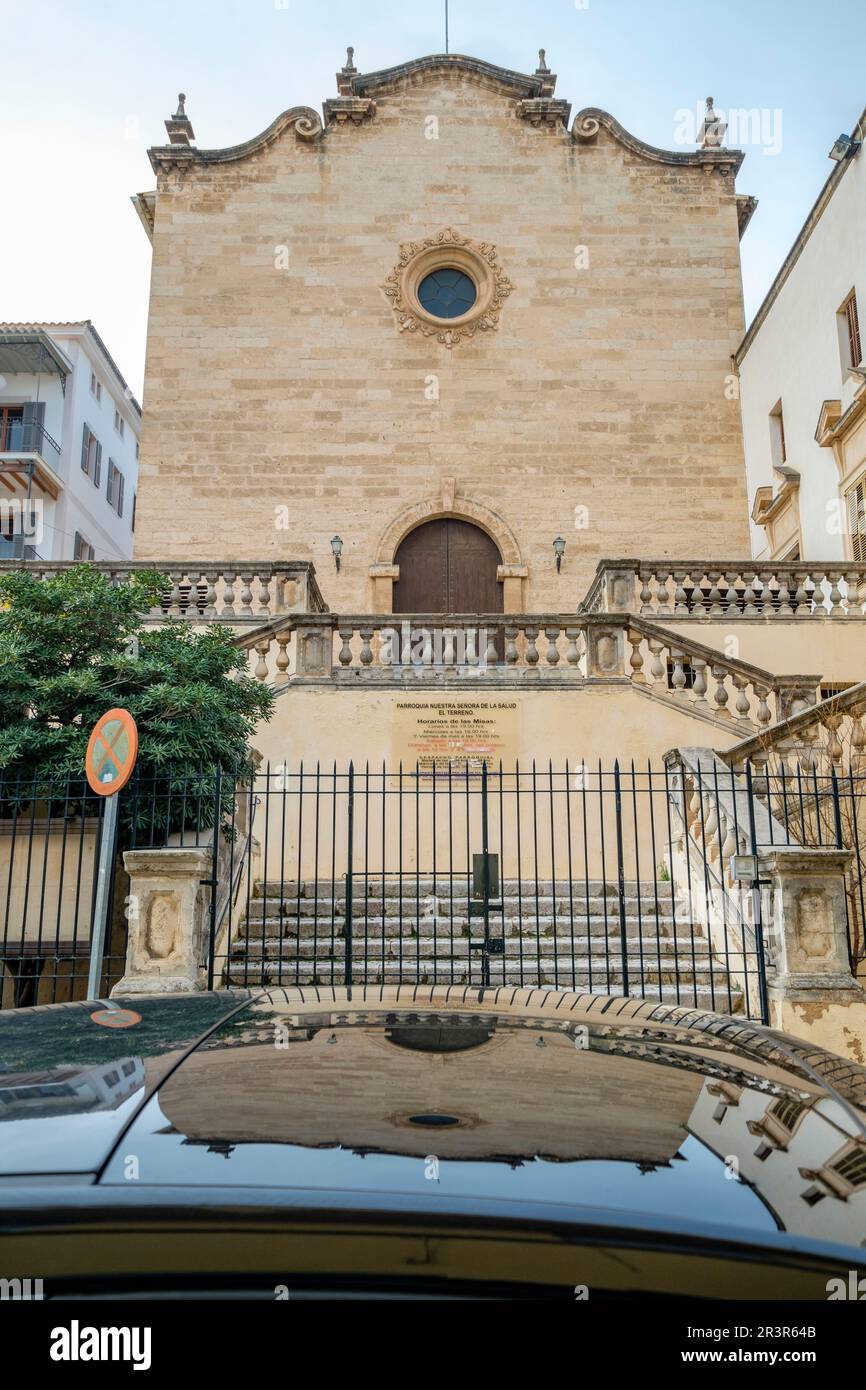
(384, 572)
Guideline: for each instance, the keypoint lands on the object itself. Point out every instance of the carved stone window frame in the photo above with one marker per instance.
(448, 250)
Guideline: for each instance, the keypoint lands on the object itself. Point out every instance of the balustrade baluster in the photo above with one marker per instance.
(572, 655)
(552, 635)
(800, 600)
(264, 595)
(657, 669)
(175, 595)
(262, 648)
(852, 584)
(646, 593)
(664, 604)
(699, 689)
(742, 706)
(751, 608)
(732, 605)
(211, 594)
(531, 634)
(714, 601)
(283, 640)
(229, 595)
(764, 713)
(784, 596)
(491, 656)
(246, 596)
(636, 660)
(366, 634)
(679, 679)
(836, 609)
(511, 654)
(721, 694)
(346, 635)
(681, 598)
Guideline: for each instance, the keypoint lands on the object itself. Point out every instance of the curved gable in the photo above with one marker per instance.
(356, 104)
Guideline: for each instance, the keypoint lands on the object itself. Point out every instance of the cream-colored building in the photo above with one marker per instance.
(803, 381)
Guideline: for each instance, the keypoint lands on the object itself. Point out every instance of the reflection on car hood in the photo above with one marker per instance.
(424, 1095)
(525, 1097)
(72, 1075)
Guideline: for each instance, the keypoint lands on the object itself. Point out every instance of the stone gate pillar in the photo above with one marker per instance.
(166, 950)
(812, 992)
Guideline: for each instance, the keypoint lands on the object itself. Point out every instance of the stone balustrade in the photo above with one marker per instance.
(241, 593)
(729, 589)
(522, 649)
(687, 673)
(830, 737)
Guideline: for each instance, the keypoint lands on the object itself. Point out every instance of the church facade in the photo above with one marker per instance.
(304, 382)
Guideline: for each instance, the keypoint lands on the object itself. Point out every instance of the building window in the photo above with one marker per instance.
(118, 423)
(856, 500)
(114, 491)
(83, 550)
(95, 387)
(778, 446)
(849, 334)
(91, 456)
(852, 1167)
(447, 293)
(137, 449)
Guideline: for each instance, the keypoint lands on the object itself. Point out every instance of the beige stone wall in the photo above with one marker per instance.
(602, 388)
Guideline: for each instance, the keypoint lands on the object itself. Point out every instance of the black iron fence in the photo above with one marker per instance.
(567, 877)
(50, 836)
(619, 880)
(822, 810)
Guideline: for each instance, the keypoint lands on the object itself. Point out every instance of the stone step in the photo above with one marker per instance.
(325, 888)
(443, 906)
(290, 929)
(688, 992)
(415, 948)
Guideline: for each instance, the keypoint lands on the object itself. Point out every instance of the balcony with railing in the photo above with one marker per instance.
(29, 455)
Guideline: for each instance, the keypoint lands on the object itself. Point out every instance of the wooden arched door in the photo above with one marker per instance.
(448, 566)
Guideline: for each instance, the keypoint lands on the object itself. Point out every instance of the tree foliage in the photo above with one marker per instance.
(74, 645)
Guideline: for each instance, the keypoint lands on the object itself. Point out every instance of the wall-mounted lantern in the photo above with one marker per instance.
(559, 552)
(337, 551)
(844, 148)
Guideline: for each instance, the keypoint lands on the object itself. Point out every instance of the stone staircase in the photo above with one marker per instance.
(555, 935)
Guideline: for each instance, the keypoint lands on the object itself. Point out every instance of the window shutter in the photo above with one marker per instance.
(109, 487)
(97, 465)
(854, 331)
(32, 418)
(85, 443)
(120, 494)
(857, 520)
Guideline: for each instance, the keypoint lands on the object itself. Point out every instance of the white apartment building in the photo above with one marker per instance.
(803, 381)
(69, 431)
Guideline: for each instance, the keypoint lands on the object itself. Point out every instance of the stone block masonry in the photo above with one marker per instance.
(285, 405)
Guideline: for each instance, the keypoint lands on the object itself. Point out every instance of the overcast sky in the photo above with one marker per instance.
(87, 85)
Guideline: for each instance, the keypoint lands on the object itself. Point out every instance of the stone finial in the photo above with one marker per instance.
(179, 126)
(542, 70)
(350, 61)
(711, 135)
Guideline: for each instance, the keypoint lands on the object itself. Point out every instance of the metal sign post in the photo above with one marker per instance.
(107, 847)
(111, 754)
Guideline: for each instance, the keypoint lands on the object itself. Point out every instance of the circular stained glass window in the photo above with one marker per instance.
(447, 294)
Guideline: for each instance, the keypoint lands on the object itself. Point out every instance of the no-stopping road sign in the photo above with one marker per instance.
(111, 752)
